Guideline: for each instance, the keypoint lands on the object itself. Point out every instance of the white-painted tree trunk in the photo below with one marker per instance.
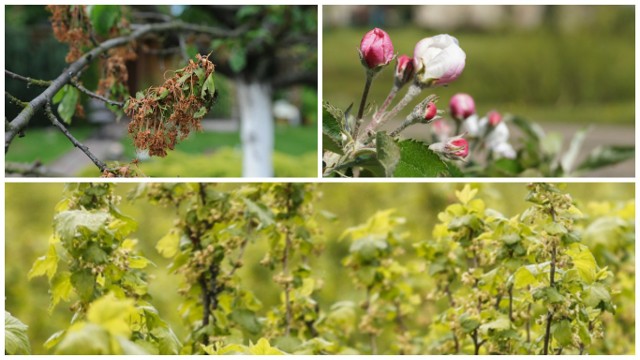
(256, 128)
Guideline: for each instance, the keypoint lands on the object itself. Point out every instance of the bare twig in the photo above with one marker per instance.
(22, 120)
(90, 93)
(14, 100)
(28, 80)
(99, 163)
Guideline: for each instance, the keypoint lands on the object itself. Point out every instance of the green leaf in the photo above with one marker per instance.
(200, 113)
(16, 341)
(238, 59)
(499, 324)
(388, 153)
(607, 155)
(562, 333)
(69, 223)
(168, 342)
(61, 288)
(368, 247)
(247, 320)
(162, 95)
(112, 314)
(184, 78)
(200, 74)
(128, 347)
(595, 295)
(468, 323)
(262, 347)
(83, 282)
(67, 106)
(104, 17)
(528, 274)
(169, 244)
(331, 128)
(47, 264)
(532, 130)
(555, 228)
(85, 339)
(583, 261)
(505, 167)
(209, 86)
(416, 160)
(54, 339)
(260, 211)
(569, 158)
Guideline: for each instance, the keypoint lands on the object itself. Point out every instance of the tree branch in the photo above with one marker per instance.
(99, 163)
(83, 89)
(28, 80)
(22, 120)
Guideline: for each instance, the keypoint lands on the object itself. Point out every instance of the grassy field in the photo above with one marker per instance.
(289, 140)
(538, 75)
(44, 144)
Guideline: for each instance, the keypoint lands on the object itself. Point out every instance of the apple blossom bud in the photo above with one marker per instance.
(474, 127)
(376, 49)
(431, 111)
(462, 106)
(404, 70)
(504, 150)
(494, 118)
(455, 148)
(438, 60)
(441, 129)
(499, 134)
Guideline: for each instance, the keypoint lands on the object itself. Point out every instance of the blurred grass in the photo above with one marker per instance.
(29, 213)
(288, 139)
(223, 162)
(548, 76)
(44, 144)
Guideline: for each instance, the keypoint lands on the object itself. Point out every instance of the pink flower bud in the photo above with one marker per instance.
(376, 49)
(438, 60)
(458, 147)
(455, 148)
(431, 111)
(494, 118)
(404, 69)
(462, 106)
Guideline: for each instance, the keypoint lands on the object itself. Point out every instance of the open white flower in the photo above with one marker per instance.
(438, 60)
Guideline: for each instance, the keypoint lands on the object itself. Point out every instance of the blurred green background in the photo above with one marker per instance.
(28, 224)
(546, 63)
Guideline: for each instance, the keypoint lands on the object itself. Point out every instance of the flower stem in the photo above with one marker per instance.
(413, 91)
(387, 101)
(405, 124)
(363, 101)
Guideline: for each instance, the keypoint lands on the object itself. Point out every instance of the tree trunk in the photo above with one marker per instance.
(256, 128)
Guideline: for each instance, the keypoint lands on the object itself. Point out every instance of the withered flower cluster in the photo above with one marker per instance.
(160, 116)
(71, 25)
